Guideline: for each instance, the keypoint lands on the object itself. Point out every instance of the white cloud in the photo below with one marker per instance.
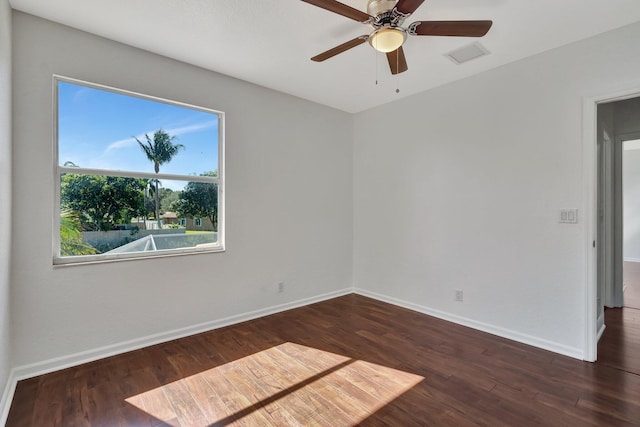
(124, 143)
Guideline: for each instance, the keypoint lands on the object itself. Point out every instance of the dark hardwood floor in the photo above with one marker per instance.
(347, 361)
(619, 346)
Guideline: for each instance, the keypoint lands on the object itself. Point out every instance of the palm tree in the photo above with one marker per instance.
(149, 196)
(159, 150)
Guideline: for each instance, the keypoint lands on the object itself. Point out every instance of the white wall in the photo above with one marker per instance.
(460, 187)
(289, 203)
(5, 195)
(631, 198)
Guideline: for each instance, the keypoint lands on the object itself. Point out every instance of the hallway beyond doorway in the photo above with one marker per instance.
(631, 279)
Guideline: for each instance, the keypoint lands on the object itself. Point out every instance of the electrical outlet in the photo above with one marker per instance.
(459, 295)
(280, 287)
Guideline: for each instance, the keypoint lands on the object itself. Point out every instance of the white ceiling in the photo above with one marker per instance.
(269, 42)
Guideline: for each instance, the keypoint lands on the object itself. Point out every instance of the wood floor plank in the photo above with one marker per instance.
(184, 405)
(242, 412)
(619, 346)
(278, 386)
(157, 403)
(287, 371)
(207, 399)
(340, 398)
(347, 361)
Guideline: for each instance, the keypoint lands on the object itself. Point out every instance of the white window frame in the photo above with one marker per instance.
(197, 222)
(58, 170)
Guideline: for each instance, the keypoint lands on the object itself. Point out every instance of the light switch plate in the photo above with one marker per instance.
(569, 216)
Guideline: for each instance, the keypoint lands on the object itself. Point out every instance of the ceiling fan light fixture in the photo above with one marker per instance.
(387, 39)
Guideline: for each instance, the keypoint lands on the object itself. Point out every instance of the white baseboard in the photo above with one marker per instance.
(631, 259)
(576, 353)
(63, 362)
(601, 327)
(7, 397)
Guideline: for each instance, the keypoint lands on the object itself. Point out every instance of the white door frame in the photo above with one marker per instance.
(590, 188)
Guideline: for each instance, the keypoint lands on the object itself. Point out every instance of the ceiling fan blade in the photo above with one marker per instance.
(397, 61)
(340, 9)
(407, 7)
(450, 28)
(339, 49)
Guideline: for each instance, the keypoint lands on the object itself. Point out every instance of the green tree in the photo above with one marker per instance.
(199, 199)
(101, 202)
(167, 197)
(70, 236)
(159, 150)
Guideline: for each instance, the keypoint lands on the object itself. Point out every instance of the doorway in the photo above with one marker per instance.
(617, 213)
(631, 219)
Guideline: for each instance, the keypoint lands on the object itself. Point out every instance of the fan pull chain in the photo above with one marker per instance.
(397, 68)
(375, 58)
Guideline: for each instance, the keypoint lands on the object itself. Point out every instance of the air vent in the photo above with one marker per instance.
(467, 53)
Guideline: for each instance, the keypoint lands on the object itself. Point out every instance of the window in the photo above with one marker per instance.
(198, 222)
(183, 222)
(129, 169)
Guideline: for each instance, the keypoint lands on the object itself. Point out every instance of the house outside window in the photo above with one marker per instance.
(130, 169)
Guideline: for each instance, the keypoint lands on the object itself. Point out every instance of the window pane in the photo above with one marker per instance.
(100, 129)
(117, 215)
(114, 148)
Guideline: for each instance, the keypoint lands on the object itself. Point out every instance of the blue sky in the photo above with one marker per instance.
(96, 129)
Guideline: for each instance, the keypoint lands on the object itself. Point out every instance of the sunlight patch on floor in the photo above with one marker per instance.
(289, 384)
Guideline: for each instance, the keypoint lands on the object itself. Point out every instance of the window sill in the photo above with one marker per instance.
(70, 261)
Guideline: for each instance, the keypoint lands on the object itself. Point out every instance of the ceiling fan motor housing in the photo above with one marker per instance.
(384, 14)
(377, 7)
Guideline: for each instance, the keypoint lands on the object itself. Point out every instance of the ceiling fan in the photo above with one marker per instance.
(387, 18)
